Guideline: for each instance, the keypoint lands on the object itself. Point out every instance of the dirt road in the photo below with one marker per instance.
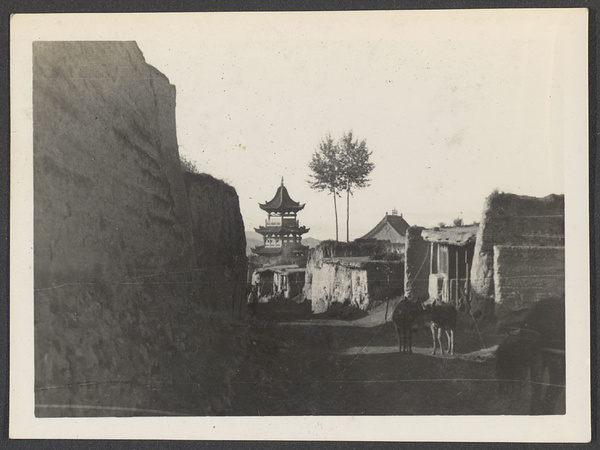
(300, 364)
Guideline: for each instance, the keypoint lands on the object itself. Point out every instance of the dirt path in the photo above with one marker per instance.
(299, 365)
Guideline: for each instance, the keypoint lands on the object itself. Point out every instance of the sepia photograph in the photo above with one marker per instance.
(307, 225)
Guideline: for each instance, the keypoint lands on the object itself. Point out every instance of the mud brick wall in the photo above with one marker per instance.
(334, 283)
(509, 219)
(358, 286)
(332, 249)
(417, 263)
(523, 276)
(121, 326)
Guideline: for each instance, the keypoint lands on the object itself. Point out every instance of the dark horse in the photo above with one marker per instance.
(405, 316)
(535, 352)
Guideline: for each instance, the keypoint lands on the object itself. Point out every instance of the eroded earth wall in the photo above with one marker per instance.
(513, 220)
(417, 265)
(121, 327)
(523, 276)
(340, 272)
(335, 283)
(219, 242)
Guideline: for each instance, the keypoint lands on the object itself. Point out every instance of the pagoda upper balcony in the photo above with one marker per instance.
(278, 222)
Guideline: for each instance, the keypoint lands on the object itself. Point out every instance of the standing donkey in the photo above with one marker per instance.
(441, 317)
(405, 315)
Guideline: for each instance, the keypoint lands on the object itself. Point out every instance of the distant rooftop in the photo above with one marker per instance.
(392, 227)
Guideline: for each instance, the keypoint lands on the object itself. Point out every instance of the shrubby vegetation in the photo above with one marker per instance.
(187, 165)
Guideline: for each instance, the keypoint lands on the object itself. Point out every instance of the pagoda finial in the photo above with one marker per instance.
(282, 181)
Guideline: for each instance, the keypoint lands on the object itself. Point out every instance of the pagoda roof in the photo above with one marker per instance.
(282, 229)
(282, 202)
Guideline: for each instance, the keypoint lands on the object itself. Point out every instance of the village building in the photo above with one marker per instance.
(354, 281)
(439, 262)
(499, 269)
(370, 269)
(451, 251)
(358, 274)
(391, 228)
(284, 281)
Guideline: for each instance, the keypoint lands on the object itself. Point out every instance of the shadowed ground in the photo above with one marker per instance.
(295, 363)
(298, 364)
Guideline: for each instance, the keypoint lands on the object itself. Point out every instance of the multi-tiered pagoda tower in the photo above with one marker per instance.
(282, 233)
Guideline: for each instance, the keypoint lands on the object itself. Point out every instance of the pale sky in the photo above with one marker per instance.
(452, 104)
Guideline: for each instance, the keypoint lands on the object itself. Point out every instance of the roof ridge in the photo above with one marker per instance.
(282, 199)
(400, 226)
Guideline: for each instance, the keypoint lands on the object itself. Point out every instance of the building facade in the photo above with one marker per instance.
(438, 263)
(451, 251)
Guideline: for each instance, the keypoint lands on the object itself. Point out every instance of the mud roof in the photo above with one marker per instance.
(359, 262)
(458, 236)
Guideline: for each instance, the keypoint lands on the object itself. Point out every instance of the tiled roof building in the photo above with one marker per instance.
(391, 228)
(282, 232)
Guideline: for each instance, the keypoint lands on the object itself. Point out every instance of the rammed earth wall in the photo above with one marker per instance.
(335, 283)
(511, 220)
(523, 276)
(122, 322)
(417, 265)
(219, 241)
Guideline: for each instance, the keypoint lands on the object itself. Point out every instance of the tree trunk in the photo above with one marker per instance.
(336, 216)
(348, 212)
